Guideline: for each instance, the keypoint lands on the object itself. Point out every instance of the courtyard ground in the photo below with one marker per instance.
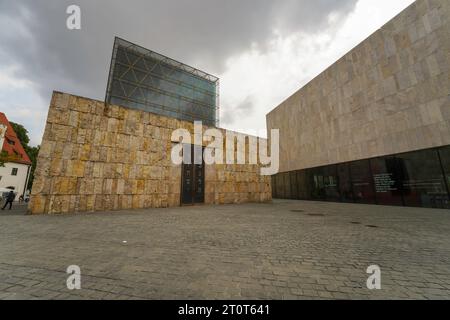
(281, 250)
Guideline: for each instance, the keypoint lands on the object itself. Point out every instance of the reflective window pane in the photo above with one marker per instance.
(331, 183)
(303, 186)
(419, 179)
(345, 183)
(387, 178)
(294, 185)
(317, 183)
(154, 83)
(362, 185)
(287, 185)
(445, 158)
(423, 181)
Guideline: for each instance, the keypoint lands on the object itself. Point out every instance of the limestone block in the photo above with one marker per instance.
(75, 168)
(37, 204)
(164, 198)
(98, 186)
(98, 204)
(46, 149)
(73, 203)
(81, 204)
(60, 100)
(81, 104)
(174, 200)
(138, 201)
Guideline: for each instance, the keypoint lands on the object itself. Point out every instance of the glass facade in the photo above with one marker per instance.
(145, 80)
(414, 179)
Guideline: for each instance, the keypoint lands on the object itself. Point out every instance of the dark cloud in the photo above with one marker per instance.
(202, 33)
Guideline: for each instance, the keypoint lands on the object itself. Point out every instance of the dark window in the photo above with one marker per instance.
(419, 179)
(14, 171)
(280, 186)
(445, 159)
(294, 185)
(287, 185)
(387, 176)
(274, 187)
(423, 181)
(303, 186)
(317, 181)
(331, 183)
(345, 183)
(362, 185)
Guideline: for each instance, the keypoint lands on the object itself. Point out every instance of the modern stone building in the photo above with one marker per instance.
(375, 126)
(95, 156)
(117, 154)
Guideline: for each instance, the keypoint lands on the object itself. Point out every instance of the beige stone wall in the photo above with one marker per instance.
(97, 157)
(388, 95)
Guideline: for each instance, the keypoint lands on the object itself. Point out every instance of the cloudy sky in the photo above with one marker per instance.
(262, 50)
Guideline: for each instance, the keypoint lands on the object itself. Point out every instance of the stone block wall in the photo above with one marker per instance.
(390, 94)
(98, 157)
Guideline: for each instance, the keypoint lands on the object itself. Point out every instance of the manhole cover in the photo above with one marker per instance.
(372, 226)
(297, 211)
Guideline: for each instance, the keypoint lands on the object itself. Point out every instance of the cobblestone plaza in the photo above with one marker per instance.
(284, 250)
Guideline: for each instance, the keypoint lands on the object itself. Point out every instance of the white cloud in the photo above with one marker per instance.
(292, 60)
(21, 102)
(9, 79)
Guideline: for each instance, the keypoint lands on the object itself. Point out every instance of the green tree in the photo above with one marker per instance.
(3, 158)
(21, 133)
(33, 154)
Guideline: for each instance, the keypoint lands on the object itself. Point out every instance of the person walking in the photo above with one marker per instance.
(9, 199)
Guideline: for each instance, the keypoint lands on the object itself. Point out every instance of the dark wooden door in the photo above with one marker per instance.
(193, 177)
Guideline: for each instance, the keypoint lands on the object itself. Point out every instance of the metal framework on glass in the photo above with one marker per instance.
(142, 79)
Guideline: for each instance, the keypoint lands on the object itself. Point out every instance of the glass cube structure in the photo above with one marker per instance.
(142, 79)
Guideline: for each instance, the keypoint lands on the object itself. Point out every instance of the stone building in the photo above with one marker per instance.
(95, 157)
(117, 154)
(375, 126)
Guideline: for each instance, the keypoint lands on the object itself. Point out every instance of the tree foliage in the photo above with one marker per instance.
(3, 158)
(21, 133)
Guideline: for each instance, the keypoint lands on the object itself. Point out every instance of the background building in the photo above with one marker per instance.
(142, 79)
(16, 172)
(375, 126)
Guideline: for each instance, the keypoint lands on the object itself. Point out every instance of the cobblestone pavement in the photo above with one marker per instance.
(283, 250)
(17, 209)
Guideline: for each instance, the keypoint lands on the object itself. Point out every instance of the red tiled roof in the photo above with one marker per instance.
(12, 144)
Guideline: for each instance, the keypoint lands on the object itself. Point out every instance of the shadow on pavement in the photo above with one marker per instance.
(17, 209)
